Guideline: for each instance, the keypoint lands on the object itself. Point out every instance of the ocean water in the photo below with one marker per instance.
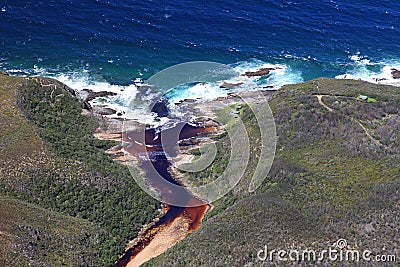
(106, 45)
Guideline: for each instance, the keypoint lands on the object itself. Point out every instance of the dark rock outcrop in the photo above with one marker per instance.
(226, 85)
(87, 95)
(103, 110)
(92, 95)
(70, 90)
(87, 106)
(395, 74)
(259, 72)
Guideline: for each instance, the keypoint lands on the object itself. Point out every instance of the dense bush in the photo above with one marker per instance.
(75, 176)
(331, 178)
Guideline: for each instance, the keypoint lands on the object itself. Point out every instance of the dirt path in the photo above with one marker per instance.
(368, 134)
(319, 97)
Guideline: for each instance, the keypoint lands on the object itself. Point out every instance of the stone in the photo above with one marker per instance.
(395, 74)
(226, 85)
(92, 95)
(103, 110)
(259, 72)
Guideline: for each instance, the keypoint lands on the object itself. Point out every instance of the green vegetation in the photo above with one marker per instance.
(84, 208)
(34, 236)
(335, 175)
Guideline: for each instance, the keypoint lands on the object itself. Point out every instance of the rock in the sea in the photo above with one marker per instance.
(3, 73)
(103, 110)
(395, 74)
(185, 101)
(92, 95)
(226, 85)
(259, 72)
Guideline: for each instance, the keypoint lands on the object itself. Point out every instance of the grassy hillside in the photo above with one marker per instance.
(34, 236)
(336, 175)
(64, 201)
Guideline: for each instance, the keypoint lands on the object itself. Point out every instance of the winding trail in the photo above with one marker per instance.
(319, 97)
(367, 133)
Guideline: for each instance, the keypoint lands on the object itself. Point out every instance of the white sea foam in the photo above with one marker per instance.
(200, 91)
(279, 76)
(364, 69)
(120, 102)
(133, 101)
(361, 60)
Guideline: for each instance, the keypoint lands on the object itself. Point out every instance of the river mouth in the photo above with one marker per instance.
(154, 148)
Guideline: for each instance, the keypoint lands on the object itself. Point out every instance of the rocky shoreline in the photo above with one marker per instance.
(395, 73)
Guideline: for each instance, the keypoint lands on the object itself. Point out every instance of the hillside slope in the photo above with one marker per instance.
(63, 200)
(336, 175)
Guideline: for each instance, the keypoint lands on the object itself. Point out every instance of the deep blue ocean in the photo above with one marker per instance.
(114, 42)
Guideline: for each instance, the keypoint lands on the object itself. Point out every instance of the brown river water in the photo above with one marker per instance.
(158, 175)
